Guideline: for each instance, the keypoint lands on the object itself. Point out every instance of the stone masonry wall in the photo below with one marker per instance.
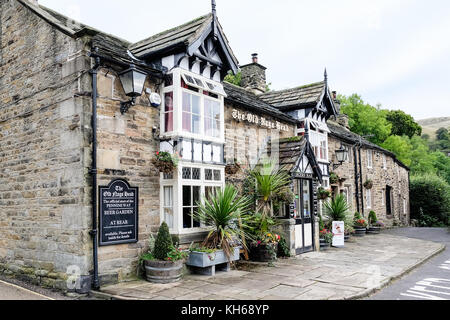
(394, 176)
(44, 197)
(246, 141)
(126, 147)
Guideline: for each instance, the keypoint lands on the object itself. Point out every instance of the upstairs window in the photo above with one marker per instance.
(191, 113)
(168, 112)
(212, 118)
(369, 159)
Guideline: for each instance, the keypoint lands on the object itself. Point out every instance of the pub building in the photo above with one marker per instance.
(84, 114)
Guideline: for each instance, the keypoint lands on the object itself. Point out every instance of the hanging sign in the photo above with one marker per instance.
(118, 213)
(338, 234)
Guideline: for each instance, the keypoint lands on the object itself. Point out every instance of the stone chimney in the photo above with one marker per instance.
(342, 119)
(254, 76)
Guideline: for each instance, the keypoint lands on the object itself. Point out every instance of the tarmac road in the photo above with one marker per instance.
(431, 281)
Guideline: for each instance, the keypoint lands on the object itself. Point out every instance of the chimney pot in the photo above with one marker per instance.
(255, 58)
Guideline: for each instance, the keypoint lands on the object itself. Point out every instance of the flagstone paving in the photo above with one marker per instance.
(364, 265)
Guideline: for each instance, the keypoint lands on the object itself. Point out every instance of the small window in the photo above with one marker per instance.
(168, 206)
(168, 112)
(191, 197)
(369, 159)
(369, 198)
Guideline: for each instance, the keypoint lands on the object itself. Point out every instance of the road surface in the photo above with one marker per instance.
(431, 281)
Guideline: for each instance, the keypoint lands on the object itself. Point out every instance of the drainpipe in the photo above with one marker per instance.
(355, 156)
(361, 181)
(93, 171)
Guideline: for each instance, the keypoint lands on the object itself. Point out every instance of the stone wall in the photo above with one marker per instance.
(44, 196)
(394, 176)
(126, 147)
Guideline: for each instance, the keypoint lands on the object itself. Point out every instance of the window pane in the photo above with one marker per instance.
(196, 194)
(306, 199)
(195, 124)
(187, 219)
(186, 102)
(168, 101)
(207, 150)
(186, 195)
(208, 174)
(217, 175)
(196, 173)
(187, 122)
(187, 173)
(187, 150)
(195, 104)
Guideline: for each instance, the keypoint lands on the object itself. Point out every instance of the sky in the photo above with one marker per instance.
(390, 52)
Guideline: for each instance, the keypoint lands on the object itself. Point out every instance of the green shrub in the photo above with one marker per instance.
(357, 216)
(283, 248)
(372, 217)
(430, 200)
(163, 243)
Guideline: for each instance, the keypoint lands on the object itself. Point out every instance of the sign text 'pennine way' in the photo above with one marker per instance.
(118, 213)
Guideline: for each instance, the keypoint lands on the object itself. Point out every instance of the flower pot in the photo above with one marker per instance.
(204, 260)
(373, 230)
(360, 231)
(263, 252)
(163, 271)
(324, 245)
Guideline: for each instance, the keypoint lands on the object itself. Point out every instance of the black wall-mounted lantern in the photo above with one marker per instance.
(133, 81)
(341, 156)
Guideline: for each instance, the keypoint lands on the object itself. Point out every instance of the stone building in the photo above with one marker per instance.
(74, 130)
(389, 195)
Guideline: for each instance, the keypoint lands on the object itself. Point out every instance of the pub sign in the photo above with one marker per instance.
(118, 213)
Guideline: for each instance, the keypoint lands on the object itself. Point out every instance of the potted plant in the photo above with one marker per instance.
(271, 183)
(325, 238)
(222, 212)
(374, 225)
(323, 194)
(368, 184)
(164, 262)
(165, 162)
(359, 225)
(337, 209)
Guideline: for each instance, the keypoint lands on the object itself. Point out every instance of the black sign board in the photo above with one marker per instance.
(118, 213)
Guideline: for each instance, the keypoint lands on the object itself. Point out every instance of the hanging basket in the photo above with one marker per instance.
(368, 184)
(164, 166)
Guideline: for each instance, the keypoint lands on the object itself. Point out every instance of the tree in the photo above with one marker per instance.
(365, 119)
(403, 124)
(235, 79)
(422, 159)
(442, 134)
(430, 200)
(401, 147)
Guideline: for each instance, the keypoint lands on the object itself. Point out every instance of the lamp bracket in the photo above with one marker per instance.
(125, 106)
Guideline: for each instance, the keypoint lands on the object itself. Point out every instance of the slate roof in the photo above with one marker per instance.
(308, 95)
(341, 132)
(290, 152)
(183, 35)
(250, 101)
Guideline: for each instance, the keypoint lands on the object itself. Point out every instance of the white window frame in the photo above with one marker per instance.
(368, 198)
(177, 90)
(178, 182)
(369, 155)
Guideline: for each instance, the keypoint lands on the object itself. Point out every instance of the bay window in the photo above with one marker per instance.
(193, 107)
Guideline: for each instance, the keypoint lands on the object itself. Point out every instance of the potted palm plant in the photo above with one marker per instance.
(164, 262)
(222, 212)
(337, 209)
(271, 183)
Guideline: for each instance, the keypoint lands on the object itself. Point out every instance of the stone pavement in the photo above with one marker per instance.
(362, 267)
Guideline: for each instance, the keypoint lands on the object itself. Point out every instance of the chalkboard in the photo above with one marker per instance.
(118, 213)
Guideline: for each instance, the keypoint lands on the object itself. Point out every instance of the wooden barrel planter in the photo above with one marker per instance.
(324, 245)
(346, 237)
(360, 232)
(163, 271)
(264, 252)
(373, 230)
